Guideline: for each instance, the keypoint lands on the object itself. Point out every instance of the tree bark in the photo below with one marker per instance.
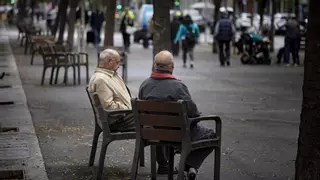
(235, 10)
(262, 6)
(308, 157)
(109, 27)
(62, 19)
(297, 9)
(216, 18)
(72, 20)
(124, 3)
(57, 20)
(22, 10)
(272, 31)
(161, 26)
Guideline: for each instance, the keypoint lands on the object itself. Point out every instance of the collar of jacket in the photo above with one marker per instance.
(156, 75)
(106, 71)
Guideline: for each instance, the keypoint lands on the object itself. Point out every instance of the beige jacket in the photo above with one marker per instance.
(111, 89)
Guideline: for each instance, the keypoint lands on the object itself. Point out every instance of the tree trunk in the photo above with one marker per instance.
(216, 18)
(161, 26)
(57, 20)
(124, 3)
(62, 19)
(72, 20)
(235, 10)
(262, 6)
(308, 157)
(109, 27)
(272, 31)
(297, 9)
(22, 10)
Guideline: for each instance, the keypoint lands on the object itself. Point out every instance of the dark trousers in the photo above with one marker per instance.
(280, 55)
(126, 40)
(224, 51)
(196, 157)
(175, 48)
(97, 32)
(122, 123)
(187, 49)
(291, 46)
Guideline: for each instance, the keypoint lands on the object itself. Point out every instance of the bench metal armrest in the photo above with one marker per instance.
(215, 118)
(206, 118)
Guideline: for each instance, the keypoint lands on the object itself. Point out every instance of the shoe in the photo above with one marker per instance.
(191, 66)
(192, 174)
(184, 65)
(228, 63)
(164, 170)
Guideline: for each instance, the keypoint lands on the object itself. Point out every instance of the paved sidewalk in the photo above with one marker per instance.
(18, 150)
(259, 106)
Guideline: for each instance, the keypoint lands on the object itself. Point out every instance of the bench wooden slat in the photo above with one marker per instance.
(160, 120)
(158, 106)
(161, 134)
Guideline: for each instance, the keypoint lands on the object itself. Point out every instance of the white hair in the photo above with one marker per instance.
(107, 54)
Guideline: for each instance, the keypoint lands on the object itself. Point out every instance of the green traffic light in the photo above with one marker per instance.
(119, 6)
(177, 3)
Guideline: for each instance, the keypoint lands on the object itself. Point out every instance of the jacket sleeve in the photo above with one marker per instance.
(183, 94)
(197, 32)
(105, 95)
(179, 33)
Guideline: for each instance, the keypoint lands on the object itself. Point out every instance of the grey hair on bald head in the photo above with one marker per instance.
(107, 54)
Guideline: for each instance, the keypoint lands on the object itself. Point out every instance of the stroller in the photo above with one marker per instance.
(254, 49)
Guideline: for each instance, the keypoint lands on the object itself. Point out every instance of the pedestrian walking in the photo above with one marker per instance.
(224, 32)
(189, 34)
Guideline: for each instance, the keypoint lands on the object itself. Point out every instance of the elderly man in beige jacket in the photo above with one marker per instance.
(112, 91)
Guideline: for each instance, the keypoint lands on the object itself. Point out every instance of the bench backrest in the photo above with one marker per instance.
(161, 120)
(98, 110)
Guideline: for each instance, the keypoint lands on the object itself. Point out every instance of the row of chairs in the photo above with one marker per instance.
(158, 123)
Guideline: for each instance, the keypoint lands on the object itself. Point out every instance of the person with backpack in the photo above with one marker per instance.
(189, 34)
(224, 32)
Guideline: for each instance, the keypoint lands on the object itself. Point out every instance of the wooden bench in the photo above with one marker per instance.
(81, 58)
(101, 125)
(36, 42)
(55, 61)
(161, 123)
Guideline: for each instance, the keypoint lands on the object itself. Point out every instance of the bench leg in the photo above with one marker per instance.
(97, 132)
(79, 74)
(136, 157)
(65, 75)
(74, 74)
(217, 161)
(141, 159)
(51, 76)
(171, 163)
(184, 154)
(87, 72)
(43, 74)
(153, 162)
(104, 148)
(32, 57)
(57, 75)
